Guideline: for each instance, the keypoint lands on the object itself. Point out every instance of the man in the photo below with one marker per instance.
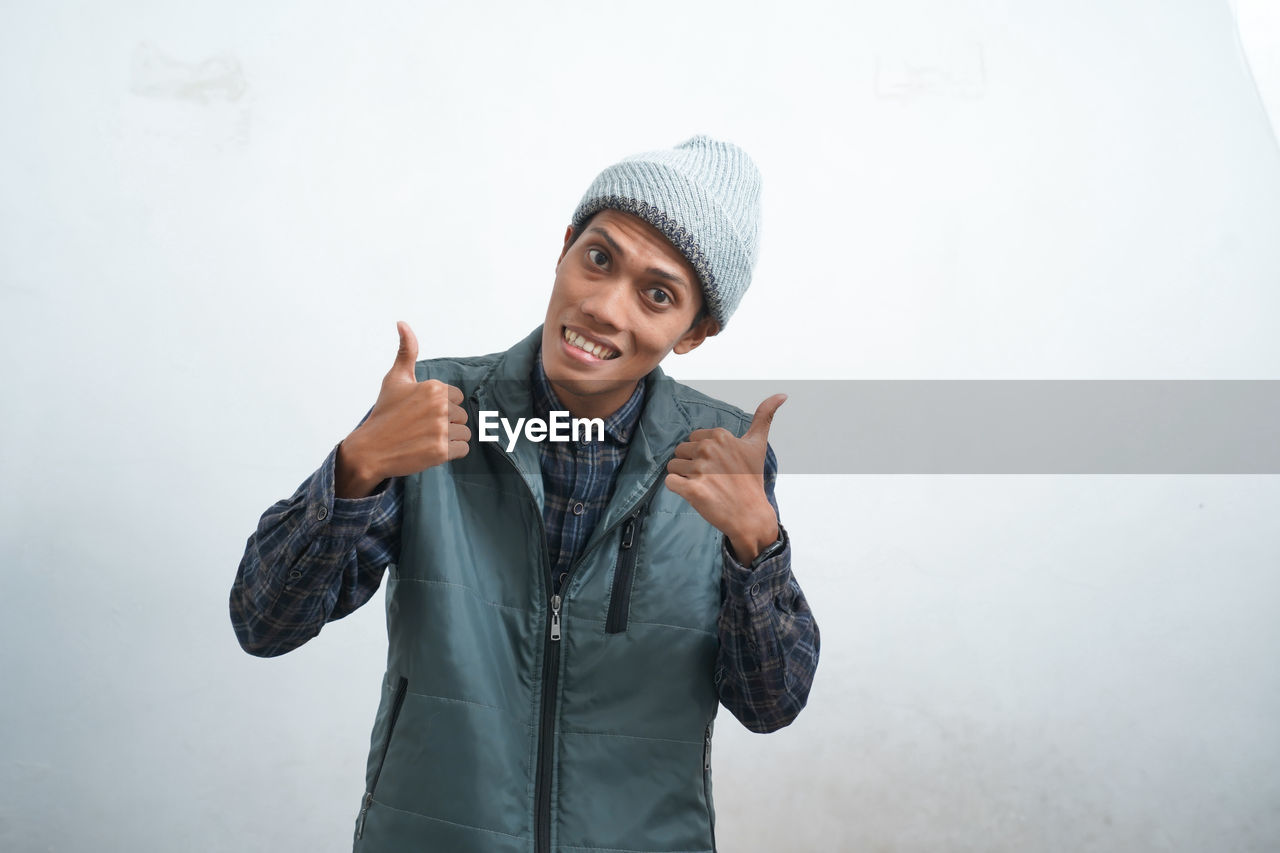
(563, 617)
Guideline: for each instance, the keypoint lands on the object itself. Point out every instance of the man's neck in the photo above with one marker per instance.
(603, 406)
(591, 406)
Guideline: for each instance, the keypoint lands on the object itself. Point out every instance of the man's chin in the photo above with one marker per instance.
(587, 381)
(581, 387)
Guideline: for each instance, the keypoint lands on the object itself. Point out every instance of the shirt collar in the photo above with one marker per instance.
(618, 427)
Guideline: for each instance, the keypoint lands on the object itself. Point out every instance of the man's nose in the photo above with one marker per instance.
(606, 304)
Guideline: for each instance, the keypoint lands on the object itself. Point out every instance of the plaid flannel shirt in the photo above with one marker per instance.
(315, 558)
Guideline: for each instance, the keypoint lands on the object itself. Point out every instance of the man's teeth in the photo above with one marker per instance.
(583, 344)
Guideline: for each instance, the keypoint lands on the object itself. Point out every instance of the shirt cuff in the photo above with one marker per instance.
(769, 578)
(330, 515)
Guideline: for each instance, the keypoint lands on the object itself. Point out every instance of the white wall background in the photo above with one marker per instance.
(212, 214)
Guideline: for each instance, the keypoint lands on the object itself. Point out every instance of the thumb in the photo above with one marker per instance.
(763, 418)
(408, 352)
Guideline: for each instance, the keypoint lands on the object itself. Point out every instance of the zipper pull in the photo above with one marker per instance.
(364, 812)
(555, 617)
(706, 753)
(628, 533)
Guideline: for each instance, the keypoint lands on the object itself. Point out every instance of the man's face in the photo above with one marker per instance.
(623, 286)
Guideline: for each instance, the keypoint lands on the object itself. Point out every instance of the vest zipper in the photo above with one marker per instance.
(550, 667)
(550, 673)
(624, 575)
(550, 677)
(401, 689)
(706, 785)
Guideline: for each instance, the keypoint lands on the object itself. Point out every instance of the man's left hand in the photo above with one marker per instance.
(722, 477)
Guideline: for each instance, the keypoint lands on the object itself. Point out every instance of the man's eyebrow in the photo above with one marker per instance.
(655, 271)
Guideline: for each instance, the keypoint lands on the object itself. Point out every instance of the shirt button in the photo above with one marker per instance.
(294, 575)
(755, 589)
(577, 508)
(322, 513)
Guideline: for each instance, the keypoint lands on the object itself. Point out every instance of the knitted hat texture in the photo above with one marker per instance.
(704, 196)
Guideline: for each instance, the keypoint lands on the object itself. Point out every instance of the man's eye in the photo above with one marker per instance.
(659, 292)
(593, 253)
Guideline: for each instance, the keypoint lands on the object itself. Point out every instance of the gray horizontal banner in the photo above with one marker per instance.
(1017, 426)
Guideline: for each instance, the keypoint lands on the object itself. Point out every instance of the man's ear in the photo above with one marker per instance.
(568, 238)
(707, 327)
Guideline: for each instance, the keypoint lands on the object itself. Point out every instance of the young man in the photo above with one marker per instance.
(563, 617)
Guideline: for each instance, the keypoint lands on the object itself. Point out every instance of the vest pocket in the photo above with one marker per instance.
(401, 688)
(624, 575)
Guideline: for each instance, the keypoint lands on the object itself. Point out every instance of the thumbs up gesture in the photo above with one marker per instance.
(722, 477)
(413, 426)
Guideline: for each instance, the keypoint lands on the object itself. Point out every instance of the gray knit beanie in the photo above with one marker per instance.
(704, 196)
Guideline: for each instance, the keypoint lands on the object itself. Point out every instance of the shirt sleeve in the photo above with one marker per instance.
(769, 639)
(313, 558)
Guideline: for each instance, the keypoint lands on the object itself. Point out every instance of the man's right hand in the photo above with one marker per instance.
(413, 426)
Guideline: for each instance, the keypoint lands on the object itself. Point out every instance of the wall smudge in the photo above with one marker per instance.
(155, 75)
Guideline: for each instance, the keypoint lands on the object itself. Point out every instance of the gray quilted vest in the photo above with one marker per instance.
(514, 723)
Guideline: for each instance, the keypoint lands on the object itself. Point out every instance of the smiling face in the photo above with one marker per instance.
(626, 294)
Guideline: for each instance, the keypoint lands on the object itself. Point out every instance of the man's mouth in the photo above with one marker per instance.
(600, 351)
